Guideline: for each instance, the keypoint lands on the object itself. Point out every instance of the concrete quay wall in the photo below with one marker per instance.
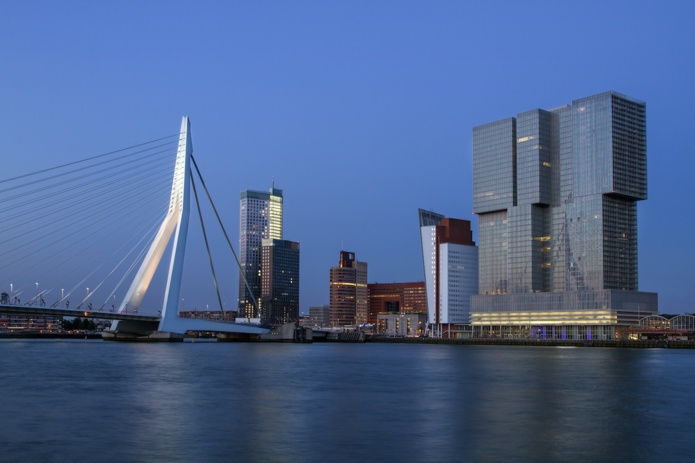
(539, 342)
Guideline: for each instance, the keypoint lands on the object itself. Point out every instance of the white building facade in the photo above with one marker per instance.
(450, 260)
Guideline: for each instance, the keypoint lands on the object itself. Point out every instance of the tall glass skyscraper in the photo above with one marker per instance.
(556, 191)
(261, 218)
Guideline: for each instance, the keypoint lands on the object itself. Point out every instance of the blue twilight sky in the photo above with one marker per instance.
(362, 111)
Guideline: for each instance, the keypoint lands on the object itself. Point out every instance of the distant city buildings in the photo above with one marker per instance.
(217, 315)
(320, 315)
(279, 281)
(348, 291)
(555, 192)
(450, 259)
(36, 323)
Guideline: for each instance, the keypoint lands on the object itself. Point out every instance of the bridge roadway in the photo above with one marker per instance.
(105, 315)
(140, 323)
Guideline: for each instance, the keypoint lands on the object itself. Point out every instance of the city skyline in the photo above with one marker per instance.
(346, 105)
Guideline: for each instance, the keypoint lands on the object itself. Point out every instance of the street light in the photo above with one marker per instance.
(11, 293)
(62, 293)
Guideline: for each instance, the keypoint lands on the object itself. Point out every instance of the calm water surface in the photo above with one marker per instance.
(100, 401)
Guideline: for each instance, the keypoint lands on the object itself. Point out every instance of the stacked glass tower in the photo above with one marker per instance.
(556, 194)
(261, 218)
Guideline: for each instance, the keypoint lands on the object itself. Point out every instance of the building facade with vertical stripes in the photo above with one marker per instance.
(556, 195)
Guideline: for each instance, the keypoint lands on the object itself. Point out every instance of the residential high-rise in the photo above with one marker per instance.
(279, 281)
(261, 218)
(451, 269)
(556, 191)
(348, 291)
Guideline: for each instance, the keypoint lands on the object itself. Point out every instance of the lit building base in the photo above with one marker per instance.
(561, 332)
(568, 315)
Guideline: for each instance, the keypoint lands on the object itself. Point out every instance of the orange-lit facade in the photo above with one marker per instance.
(348, 291)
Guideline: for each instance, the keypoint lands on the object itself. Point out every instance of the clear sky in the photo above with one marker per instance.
(362, 111)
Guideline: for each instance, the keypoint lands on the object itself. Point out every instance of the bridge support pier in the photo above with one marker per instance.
(156, 336)
(141, 331)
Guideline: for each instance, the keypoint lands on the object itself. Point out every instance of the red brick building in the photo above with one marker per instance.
(396, 298)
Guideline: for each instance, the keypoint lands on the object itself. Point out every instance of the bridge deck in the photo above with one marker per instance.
(106, 315)
(180, 325)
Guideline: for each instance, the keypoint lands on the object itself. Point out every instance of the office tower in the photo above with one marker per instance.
(261, 218)
(555, 192)
(400, 298)
(451, 271)
(279, 281)
(348, 291)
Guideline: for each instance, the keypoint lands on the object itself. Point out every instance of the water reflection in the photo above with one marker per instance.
(286, 403)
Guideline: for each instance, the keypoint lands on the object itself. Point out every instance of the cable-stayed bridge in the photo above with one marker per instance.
(90, 237)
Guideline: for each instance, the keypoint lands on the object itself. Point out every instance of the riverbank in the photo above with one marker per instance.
(50, 335)
(412, 340)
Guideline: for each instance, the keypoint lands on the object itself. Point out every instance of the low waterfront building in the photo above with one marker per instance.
(18, 323)
(320, 315)
(401, 324)
(664, 327)
(217, 315)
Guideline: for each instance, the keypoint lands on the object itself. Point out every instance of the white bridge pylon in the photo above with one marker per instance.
(174, 224)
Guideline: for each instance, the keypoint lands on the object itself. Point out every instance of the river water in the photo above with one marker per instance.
(73, 400)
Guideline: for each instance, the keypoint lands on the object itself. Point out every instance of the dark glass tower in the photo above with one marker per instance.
(280, 282)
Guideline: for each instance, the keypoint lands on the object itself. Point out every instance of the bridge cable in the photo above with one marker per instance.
(207, 245)
(131, 193)
(85, 160)
(92, 179)
(224, 231)
(90, 196)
